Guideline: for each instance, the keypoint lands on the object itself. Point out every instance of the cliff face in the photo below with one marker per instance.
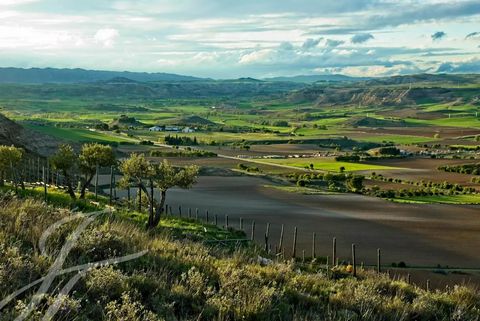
(12, 133)
(381, 96)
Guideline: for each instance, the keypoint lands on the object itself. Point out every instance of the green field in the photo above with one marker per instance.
(397, 139)
(77, 135)
(326, 164)
(466, 122)
(441, 199)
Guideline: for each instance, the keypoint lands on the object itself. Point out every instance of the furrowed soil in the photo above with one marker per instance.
(417, 234)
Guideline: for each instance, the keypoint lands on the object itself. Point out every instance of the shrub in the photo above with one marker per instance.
(128, 310)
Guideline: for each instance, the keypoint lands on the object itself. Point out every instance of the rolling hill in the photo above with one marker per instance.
(12, 133)
(54, 75)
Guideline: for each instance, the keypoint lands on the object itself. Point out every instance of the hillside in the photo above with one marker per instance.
(383, 95)
(192, 120)
(318, 78)
(374, 122)
(12, 133)
(54, 75)
(182, 278)
(124, 122)
(121, 88)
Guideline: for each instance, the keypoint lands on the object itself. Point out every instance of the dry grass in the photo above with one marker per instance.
(184, 280)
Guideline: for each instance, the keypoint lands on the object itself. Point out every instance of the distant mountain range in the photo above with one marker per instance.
(318, 78)
(66, 76)
(54, 75)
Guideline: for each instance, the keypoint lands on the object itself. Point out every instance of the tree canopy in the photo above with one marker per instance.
(137, 169)
(10, 156)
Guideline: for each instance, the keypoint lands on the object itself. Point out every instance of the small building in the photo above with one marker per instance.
(172, 129)
(156, 129)
(188, 130)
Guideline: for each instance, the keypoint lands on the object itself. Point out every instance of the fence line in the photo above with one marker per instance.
(37, 172)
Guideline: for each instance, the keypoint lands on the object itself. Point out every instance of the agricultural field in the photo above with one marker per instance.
(364, 173)
(329, 165)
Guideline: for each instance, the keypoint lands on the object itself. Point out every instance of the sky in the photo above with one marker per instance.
(244, 38)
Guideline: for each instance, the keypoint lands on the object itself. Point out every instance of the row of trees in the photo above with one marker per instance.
(335, 182)
(473, 169)
(137, 171)
(180, 140)
(90, 159)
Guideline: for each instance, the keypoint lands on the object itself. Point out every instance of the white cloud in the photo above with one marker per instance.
(6, 3)
(251, 37)
(106, 36)
(256, 56)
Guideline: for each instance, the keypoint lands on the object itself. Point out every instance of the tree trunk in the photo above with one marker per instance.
(151, 201)
(2, 179)
(87, 183)
(68, 182)
(153, 222)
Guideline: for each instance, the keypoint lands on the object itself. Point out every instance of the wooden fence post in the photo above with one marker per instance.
(280, 243)
(334, 251)
(139, 198)
(252, 237)
(379, 261)
(226, 221)
(266, 237)
(189, 212)
(151, 199)
(196, 214)
(428, 285)
(354, 260)
(114, 187)
(96, 182)
(294, 250)
(111, 187)
(216, 220)
(38, 169)
(313, 245)
(45, 191)
(128, 195)
(180, 210)
(48, 171)
(207, 216)
(241, 223)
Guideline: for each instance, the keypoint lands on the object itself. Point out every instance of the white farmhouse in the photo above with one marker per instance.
(188, 130)
(155, 129)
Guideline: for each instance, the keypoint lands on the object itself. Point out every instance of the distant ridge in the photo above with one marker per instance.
(318, 78)
(54, 75)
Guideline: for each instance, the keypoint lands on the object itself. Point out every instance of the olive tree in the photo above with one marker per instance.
(10, 156)
(91, 156)
(354, 183)
(65, 160)
(137, 169)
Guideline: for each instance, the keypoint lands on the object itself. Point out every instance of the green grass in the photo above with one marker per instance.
(58, 197)
(440, 199)
(466, 122)
(327, 164)
(186, 228)
(299, 190)
(180, 279)
(397, 139)
(77, 135)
